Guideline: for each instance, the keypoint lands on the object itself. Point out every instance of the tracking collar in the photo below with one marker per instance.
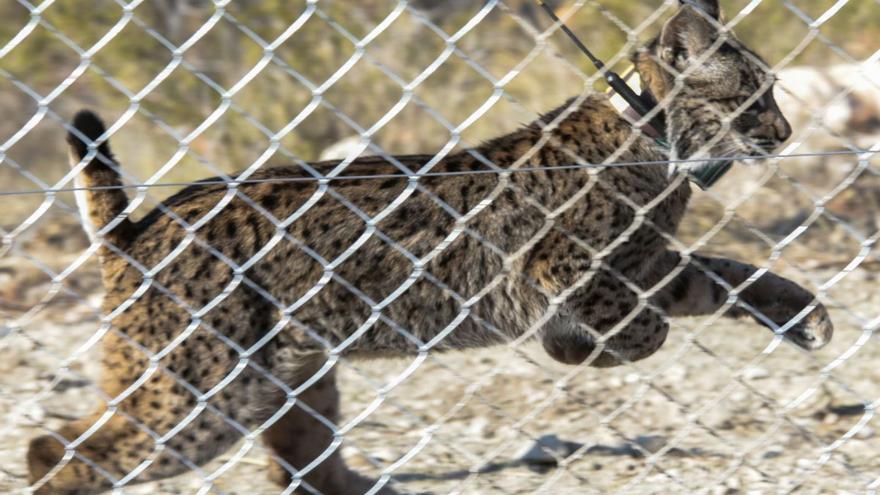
(705, 176)
(633, 107)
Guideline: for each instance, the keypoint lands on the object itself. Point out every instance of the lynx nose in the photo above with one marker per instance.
(782, 128)
(773, 127)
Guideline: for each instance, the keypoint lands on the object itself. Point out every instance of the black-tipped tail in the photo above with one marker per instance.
(88, 127)
(100, 195)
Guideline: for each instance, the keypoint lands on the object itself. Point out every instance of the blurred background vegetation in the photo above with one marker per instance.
(217, 59)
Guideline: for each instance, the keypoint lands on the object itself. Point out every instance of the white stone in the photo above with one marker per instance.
(755, 373)
(865, 433)
(676, 373)
(830, 419)
(632, 378)
(805, 463)
(477, 426)
(719, 490)
(739, 396)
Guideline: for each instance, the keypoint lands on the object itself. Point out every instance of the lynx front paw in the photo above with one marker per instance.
(813, 331)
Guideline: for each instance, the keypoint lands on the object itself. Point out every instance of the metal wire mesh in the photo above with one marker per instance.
(704, 414)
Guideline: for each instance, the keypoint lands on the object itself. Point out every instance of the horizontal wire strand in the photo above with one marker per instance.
(338, 178)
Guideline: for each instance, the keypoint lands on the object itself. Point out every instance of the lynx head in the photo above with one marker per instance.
(717, 94)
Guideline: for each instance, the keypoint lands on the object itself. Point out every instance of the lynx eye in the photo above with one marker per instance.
(759, 105)
(763, 104)
(740, 100)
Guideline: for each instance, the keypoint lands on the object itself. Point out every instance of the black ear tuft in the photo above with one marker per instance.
(90, 126)
(710, 7)
(686, 34)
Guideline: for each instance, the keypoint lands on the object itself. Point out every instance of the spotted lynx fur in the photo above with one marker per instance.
(243, 299)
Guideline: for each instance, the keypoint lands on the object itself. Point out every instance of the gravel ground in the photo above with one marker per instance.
(722, 408)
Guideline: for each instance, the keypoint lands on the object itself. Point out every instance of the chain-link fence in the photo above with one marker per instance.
(233, 350)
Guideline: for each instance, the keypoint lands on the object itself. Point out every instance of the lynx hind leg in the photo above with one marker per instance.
(126, 443)
(299, 438)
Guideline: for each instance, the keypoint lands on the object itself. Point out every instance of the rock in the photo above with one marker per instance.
(614, 382)
(830, 419)
(865, 433)
(755, 373)
(547, 450)
(773, 452)
(383, 455)
(651, 443)
(631, 378)
(739, 396)
(478, 427)
(33, 415)
(67, 414)
(676, 373)
(848, 409)
(344, 147)
(719, 490)
(67, 384)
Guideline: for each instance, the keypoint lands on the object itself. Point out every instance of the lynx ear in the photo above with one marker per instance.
(688, 33)
(710, 7)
